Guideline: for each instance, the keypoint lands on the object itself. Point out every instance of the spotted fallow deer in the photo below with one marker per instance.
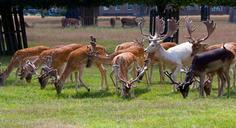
(137, 51)
(76, 60)
(121, 64)
(152, 56)
(58, 58)
(126, 45)
(217, 60)
(178, 55)
(19, 58)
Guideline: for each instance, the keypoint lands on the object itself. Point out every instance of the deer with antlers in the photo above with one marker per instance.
(121, 64)
(135, 56)
(213, 61)
(54, 58)
(178, 55)
(19, 58)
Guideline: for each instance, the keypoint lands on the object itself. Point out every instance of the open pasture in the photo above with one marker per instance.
(26, 105)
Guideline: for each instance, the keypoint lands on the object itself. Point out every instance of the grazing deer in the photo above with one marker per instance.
(19, 58)
(129, 22)
(65, 22)
(121, 64)
(217, 60)
(76, 61)
(152, 56)
(178, 55)
(137, 51)
(112, 22)
(58, 58)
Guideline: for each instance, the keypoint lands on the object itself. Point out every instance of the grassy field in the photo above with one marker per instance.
(24, 105)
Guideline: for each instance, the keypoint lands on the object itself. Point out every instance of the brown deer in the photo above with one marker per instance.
(126, 45)
(65, 22)
(58, 58)
(18, 59)
(128, 22)
(121, 64)
(76, 61)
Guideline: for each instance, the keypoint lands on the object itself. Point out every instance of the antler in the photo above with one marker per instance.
(93, 43)
(169, 76)
(160, 26)
(190, 29)
(141, 24)
(173, 26)
(139, 76)
(210, 25)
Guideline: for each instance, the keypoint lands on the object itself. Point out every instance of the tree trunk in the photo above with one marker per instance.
(166, 15)
(205, 13)
(12, 30)
(232, 15)
(89, 15)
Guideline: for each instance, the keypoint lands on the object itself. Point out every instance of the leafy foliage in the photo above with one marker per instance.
(48, 3)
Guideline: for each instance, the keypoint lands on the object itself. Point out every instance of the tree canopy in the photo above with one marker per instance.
(178, 3)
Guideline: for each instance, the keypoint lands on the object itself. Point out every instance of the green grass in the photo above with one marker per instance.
(26, 105)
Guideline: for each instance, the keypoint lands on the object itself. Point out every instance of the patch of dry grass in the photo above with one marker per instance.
(49, 31)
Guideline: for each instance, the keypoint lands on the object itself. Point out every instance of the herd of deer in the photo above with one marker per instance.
(58, 63)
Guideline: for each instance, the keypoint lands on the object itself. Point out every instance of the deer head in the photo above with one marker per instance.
(159, 37)
(198, 46)
(127, 85)
(27, 70)
(182, 87)
(46, 73)
(91, 51)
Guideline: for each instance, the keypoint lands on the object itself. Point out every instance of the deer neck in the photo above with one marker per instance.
(14, 63)
(65, 74)
(162, 53)
(105, 59)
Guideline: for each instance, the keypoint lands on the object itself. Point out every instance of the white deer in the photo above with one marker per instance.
(181, 54)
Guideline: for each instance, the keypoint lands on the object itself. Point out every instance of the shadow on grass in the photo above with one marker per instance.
(80, 95)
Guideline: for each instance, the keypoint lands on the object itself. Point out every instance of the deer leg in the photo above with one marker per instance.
(76, 77)
(103, 76)
(111, 74)
(17, 72)
(174, 77)
(146, 77)
(234, 75)
(150, 73)
(227, 77)
(222, 83)
(161, 72)
(81, 69)
(201, 87)
(115, 70)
